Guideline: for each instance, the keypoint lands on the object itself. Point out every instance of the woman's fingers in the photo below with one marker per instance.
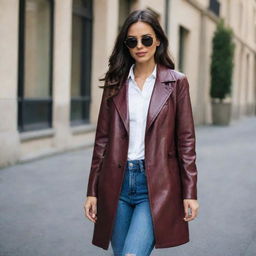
(188, 215)
(191, 216)
(193, 206)
(186, 212)
(94, 210)
(88, 208)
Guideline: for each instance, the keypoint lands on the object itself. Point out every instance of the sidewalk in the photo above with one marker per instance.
(41, 209)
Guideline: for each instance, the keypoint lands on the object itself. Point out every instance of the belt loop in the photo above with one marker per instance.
(141, 164)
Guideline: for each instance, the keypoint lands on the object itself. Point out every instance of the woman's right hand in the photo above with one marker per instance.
(90, 208)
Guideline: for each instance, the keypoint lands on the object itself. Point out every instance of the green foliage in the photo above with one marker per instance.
(221, 61)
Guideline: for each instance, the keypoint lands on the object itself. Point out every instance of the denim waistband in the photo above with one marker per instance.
(136, 164)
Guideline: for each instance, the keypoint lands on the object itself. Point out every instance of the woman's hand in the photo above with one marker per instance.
(90, 208)
(193, 205)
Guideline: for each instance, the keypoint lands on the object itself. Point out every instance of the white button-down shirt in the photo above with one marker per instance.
(138, 104)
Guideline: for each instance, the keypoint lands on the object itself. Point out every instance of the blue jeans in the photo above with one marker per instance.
(133, 228)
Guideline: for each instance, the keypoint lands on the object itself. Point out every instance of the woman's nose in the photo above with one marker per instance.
(139, 45)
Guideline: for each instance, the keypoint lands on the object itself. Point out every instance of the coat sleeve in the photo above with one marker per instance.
(186, 141)
(100, 143)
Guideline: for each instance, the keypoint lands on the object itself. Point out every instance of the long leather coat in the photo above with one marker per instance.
(169, 158)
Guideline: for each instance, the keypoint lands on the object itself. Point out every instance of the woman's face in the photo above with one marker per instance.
(142, 53)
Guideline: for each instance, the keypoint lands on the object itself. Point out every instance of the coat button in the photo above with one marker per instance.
(119, 165)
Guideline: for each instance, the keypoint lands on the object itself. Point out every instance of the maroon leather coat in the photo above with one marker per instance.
(170, 158)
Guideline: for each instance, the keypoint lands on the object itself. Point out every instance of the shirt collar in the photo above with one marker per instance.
(131, 73)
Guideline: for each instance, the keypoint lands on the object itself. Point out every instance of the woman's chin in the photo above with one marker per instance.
(142, 60)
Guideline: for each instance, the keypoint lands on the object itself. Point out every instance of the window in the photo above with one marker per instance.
(35, 65)
(81, 61)
(183, 38)
(167, 11)
(254, 24)
(124, 10)
(214, 6)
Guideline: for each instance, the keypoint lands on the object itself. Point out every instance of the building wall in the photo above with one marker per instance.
(9, 137)
(192, 15)
(241, 16)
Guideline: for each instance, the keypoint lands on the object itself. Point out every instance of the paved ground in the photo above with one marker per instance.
(41, 201)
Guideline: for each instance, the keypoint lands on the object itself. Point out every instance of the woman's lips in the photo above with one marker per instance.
(140, 54)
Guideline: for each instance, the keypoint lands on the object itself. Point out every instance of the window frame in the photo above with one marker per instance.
(26, 104)
(86, 14)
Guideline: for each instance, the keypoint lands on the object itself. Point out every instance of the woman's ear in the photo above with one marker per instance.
(158, 42)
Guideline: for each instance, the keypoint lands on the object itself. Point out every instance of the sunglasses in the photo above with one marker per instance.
(131, 42)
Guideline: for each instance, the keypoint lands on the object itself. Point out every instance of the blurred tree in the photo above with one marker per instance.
(222, 61)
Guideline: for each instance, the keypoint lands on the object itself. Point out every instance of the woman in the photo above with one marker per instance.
(143, 177)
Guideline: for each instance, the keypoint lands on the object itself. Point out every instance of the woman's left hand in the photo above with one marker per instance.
(193, 205)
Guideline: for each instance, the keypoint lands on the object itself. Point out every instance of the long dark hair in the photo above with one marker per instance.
(120, 60)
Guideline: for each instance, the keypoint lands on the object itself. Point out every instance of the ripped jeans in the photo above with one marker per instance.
(133, 228)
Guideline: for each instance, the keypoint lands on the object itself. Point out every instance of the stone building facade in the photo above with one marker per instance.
(54, 51)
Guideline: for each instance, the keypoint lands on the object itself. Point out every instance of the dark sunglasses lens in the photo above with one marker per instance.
(147, 41)
(131, 42)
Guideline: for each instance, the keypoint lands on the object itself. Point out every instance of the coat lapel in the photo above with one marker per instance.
(121, 102)
(161, 92)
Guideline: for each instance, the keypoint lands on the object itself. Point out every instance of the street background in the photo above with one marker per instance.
(52, 55)
(41, 211)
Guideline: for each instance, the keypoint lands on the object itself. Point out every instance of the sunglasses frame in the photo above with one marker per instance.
(145, 37)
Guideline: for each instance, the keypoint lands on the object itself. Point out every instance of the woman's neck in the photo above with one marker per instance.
(143, 70)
